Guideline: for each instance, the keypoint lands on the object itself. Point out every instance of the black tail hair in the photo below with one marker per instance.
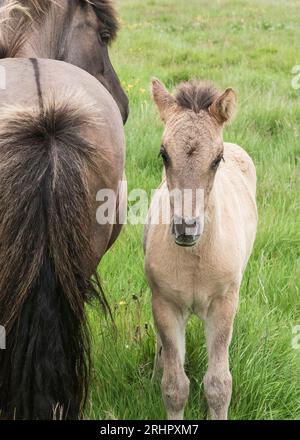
(45, 260)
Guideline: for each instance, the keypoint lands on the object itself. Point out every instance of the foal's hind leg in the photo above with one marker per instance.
(218, 329)
(170, 324)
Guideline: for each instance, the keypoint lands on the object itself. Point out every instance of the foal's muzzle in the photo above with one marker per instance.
(186, 231)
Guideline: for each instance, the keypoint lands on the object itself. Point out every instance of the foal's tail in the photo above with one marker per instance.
(45, 259)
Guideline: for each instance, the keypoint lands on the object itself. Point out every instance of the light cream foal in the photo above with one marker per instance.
(195, 264)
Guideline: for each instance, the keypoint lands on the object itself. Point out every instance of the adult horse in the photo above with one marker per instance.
(61, 140)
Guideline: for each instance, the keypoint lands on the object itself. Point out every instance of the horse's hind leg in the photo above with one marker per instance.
(158, 360)
(218, 329)
(170, 325)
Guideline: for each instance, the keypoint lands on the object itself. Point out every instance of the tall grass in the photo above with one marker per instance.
(251, 46)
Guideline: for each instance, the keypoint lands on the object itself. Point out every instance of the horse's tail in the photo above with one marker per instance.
(45, 259)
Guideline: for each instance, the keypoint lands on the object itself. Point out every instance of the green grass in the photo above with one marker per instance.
(251, 46)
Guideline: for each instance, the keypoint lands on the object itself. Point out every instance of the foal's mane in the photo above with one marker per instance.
(18, 16)
(196, 95)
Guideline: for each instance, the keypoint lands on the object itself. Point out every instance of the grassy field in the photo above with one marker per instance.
(251, 46)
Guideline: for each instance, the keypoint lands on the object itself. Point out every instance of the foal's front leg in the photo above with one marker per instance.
(159, 359)
(170, 324)
(218, 330)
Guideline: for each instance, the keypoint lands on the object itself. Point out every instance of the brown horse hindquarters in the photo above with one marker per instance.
(61, 141)
(61, 81)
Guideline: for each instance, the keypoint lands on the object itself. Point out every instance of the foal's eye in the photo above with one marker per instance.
(217, 162)
(163, 153)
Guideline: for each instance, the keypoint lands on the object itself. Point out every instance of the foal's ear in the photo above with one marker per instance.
(224, 107)
(162, 98)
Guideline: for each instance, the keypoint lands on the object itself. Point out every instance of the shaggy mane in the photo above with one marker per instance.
(107, 15)
(196, 95)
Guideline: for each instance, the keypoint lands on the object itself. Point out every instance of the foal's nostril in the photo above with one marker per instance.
(191, 223)
(178, 227)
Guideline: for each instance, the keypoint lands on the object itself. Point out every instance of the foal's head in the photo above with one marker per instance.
(192, 149)
(76, 31)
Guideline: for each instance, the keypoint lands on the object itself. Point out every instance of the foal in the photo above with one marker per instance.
(196, 265)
